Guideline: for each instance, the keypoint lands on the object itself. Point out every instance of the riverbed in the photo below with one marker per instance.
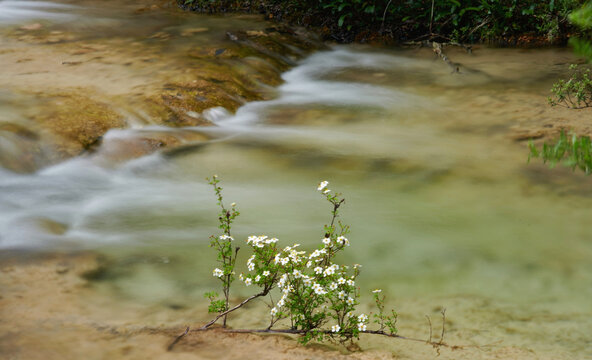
(445, 210)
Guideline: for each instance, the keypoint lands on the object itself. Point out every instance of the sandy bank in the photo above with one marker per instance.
(50, 311)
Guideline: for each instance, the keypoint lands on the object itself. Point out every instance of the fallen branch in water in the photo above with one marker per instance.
(437, 48)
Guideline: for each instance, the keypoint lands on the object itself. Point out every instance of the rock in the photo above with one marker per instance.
(52, 227)
(29, 27)
(192, 31)
(76, 122)
(255, 33)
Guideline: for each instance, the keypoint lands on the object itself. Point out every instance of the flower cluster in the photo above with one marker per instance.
(314, 290)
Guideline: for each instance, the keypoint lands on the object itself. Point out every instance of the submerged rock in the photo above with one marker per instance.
(76, 122)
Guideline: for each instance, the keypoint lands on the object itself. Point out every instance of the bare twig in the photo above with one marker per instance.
(437, 47)
(443, 312)
(177, 339)
(432, 17)
(430, 323)
(384, 16)
(483, 23)
(262, 293)
(328, 332)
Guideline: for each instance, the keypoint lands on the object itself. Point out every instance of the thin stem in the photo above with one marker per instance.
(430, 322)
(177, 339)
(384, 16)
(443, 325)
(431, 17)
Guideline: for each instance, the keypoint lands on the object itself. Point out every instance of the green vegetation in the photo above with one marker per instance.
(576, 92)
(578, 86)
(572, 151)
(582, 18)
(506, 21)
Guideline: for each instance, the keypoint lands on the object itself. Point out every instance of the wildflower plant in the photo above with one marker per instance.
(575, 92)
(316, 296)
(227, 252)
(385, 321)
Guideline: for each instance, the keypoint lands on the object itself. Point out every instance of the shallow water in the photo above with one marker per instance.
(444, 209)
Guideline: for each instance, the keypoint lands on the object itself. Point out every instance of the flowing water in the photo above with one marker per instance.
(444, 208)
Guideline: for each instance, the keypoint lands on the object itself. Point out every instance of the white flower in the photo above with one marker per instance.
(326, 191)
(362, 327)
(341, 295)
(251, 267)
(257, 241)
(271, 241)
(327, 241)
(329, 271)
(297, 274)
(356, 266)
(349, 314)
(362, 318)
(318, 270)
(342, 240)
(341, 281)
(350, 301)
(333, 286)
(318, 289)
(257, 278)
(233, 204)
(376, 291)
(307, 281)
(335, 328)
(309, 264)
(226, 237)
(283, 280)
(322, 185)
(265, 273)
(351, 282)
(248, 281)
(217, 272)
(273, 311)
(240, 276)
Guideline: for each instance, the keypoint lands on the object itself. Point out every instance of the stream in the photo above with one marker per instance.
(445, 211)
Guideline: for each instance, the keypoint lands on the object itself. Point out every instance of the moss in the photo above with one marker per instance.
(76, 122)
